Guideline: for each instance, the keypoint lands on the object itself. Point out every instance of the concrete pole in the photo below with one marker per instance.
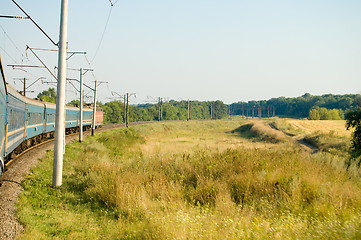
(125, 109)
(127, 112)
(158, 109)
(189, 109)
(60, 98)
(161, 108)
(94, 107)
(230, 111)
(81, 106)
(24, 87)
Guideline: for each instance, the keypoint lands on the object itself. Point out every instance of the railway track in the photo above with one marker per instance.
(102, 129)
(18, 168)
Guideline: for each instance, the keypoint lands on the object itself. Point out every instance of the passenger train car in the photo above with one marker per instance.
(25, 122)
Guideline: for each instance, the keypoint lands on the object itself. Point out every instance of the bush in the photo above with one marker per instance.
(325, 114)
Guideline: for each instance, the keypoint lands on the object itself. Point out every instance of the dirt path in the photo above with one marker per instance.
(10, 185)
(300, 140)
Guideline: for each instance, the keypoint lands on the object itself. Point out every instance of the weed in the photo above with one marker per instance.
(261, 132)
(192, 180)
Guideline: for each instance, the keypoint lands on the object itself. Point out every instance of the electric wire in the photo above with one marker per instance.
(102, 37)
(8, 54)
(22, 55)
(13, 43)
(56, 44)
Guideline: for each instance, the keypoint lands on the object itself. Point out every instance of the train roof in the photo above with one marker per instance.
(12, 91)
(2, 74)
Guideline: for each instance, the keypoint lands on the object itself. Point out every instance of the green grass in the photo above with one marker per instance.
(180, 181)
(329, 142)
(284, 126)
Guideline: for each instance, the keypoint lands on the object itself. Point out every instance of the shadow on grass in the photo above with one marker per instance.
(244, 131)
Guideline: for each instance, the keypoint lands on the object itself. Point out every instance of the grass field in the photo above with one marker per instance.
(196, 180)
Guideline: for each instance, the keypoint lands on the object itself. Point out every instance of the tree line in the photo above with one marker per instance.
(172, 110)
(325, 107)
(298, 107)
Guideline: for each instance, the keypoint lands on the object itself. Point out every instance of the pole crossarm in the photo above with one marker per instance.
(22, 79)
(73, 53)
(24, 66)
(73, 85)
(78, 70)
(40, 78)
(27, 47)
(99, 83)
(119, 95)
(74, 79)
(16, 17)
(54, 50)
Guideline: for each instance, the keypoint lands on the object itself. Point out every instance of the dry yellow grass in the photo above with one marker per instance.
(192, 180)
(324, 126)
(191, 136)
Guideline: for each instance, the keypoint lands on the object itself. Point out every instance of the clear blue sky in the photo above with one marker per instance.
(231, 50)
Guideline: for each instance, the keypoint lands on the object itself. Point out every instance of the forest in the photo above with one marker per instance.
(323, 107)
(172, 110)
(298, 107)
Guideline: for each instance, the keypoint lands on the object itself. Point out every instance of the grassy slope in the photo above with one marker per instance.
(328, 136)
(195, 180)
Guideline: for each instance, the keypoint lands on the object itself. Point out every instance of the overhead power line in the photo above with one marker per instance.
(56, 44)
(12, 42)
(112, 3)
(102, 37)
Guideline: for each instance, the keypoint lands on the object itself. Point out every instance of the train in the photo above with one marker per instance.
(25, 122)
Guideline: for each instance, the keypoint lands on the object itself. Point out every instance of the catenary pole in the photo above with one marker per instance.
(127, 112)
(60, 99)
(158, 109)
(94, 107)
(125, 109)
(81, 106)
(161, 108)
(24, 93)
(189, 109)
